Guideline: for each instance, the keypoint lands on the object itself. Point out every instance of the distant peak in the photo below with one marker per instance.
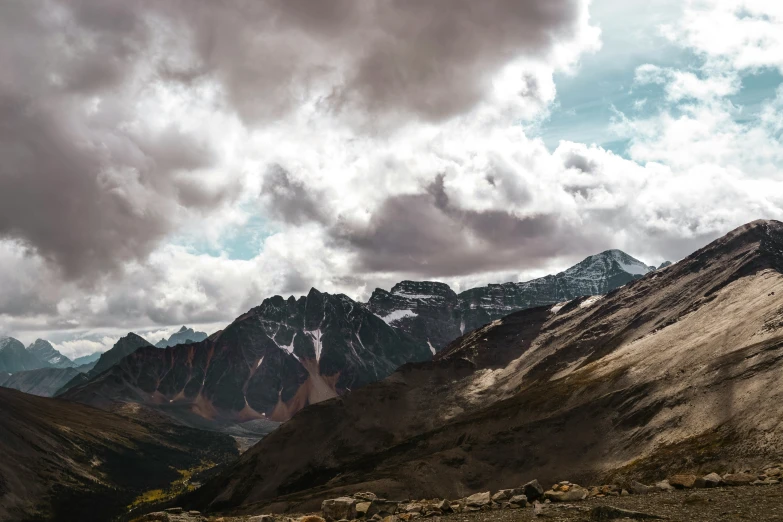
(183, 329)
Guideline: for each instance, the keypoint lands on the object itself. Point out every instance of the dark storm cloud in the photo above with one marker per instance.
(77, 185)
(433, 59)
(428, 235)
(86, 185)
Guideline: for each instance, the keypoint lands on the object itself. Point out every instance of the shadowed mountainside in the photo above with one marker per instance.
(43, 382)
(66, 461)
(676, 370)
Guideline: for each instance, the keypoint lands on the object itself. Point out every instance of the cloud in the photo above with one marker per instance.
(372, 140)
(86, 182)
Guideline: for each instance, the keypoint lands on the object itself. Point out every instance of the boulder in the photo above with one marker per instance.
(505, 494)
(442, 505)
(362, 508)
(712, 480)
(637, 488)
(478, 500)
(738, 479)
(517, 501)
(574, 493)
(682, 481)
(339, 508)
(664, 486)
(611, 513)
(382, 507)
(533, 491)
(366, 496)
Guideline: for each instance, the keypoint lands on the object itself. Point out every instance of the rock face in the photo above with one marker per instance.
(425, 310)
(268, 364)
(431, 312)
(44, 382)
(67, 461)
(683, 360)
(14, 357)
(46, 353)
(185, 335)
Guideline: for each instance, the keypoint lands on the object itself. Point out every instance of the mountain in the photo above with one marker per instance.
(46, 352)
(14, 357)
(66, 461)
(122, 348)
(677, 371)
(185, 335)
(361, 343)
(44, 382)
(433, 313)
(268, 364)
(87, 359)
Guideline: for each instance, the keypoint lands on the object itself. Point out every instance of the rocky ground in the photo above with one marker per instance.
(755, 503)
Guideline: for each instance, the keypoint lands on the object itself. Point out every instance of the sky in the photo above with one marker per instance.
(177, 162)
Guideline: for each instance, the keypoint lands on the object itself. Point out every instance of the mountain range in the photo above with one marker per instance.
(433, 313)
(675, 371)
(185, 335)
(288, 353)
(15, 358)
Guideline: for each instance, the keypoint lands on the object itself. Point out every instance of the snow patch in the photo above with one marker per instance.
(414, 296)
(397, 315)
(432, 349)
(260, 361)
(558, 307)
(316, 336)
(590, 301)
(632, 268)
(287, 347)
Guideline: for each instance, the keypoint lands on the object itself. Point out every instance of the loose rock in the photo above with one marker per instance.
(574, 493)
(533, 490)
(339, 508)
(682, 481)
(712, 480)
(738, 479)
(478, 500)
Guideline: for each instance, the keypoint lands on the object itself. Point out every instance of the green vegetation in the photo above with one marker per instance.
(182, 485)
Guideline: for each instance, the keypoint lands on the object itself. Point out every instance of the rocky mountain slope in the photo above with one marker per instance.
(14, 357)
(678, 370)
(44, 382)
(185, 335)
(268, 364)
(432, 312)
(46, 352)
(66, 461)
(121, 349)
